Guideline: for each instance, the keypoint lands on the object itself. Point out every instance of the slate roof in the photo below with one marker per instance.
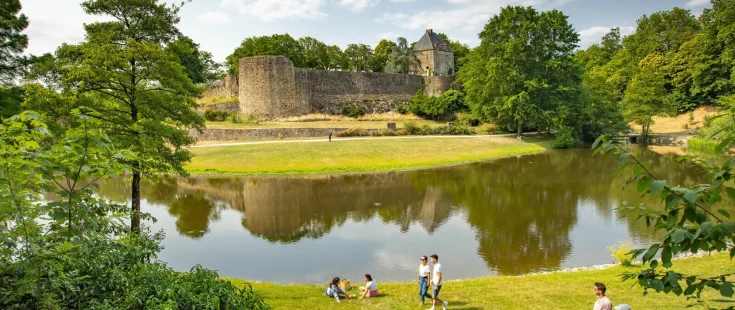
(431, 41)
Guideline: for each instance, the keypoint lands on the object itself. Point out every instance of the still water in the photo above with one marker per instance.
(503, 217)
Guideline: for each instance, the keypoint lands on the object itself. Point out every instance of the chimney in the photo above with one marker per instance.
(430, 31)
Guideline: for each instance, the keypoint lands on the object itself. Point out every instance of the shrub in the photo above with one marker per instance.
(233, 118)
(353, 112)
(621, 253)
(410, 128)
(702, 145)
(352, 132)
(437, 108)
(385, 132)
(402, 108)
(216, 115)
(468, 119)
(565, 139)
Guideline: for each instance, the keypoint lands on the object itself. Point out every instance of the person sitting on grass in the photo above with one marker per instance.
(334, 291)
(370, 289)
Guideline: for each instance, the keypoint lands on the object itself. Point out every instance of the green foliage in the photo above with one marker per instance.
(352, 132)
(11, 98)
(216, 115)
(565, 139)
(646, 95)
(276, 45)
(438, 108)
(513, 80)
(461, 51)
(198, 65)
(69, 249)
(402, 108)
(353, 111)
(382, 54)
(468, 119)
(13, 40)
(621, 253)
(402, 58)
(359, 57)
(688, 220)
(411, 128)
(699, 145)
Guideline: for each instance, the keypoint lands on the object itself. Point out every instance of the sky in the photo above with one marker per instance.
(220, 25)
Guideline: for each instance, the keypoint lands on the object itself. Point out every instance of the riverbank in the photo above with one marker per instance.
(557, 290)
(356, 155)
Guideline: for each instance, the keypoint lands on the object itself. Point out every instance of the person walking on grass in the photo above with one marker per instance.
(436, 280)
(424, 273)
(602, 302)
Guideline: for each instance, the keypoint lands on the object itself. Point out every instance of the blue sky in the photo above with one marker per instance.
(220, 25)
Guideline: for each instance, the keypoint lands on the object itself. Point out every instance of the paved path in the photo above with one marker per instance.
(351, 139)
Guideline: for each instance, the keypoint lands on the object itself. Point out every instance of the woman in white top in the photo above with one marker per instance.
(424, 272)
(371, 287)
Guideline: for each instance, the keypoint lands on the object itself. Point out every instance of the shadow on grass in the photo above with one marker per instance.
(458, 305)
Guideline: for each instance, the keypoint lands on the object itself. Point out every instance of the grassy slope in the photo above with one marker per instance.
(355, 155)
(680, 124)
(563, 290)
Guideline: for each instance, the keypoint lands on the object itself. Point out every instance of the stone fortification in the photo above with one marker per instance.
(227, 87)
(271, 87)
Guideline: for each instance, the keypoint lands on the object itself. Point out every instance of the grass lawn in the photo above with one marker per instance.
(562, 290)
(371, 154)
(322, 124)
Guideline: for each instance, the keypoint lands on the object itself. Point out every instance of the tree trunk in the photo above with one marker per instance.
(520, 128)
(135, 216)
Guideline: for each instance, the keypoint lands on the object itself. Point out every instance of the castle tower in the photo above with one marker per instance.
(435, 55)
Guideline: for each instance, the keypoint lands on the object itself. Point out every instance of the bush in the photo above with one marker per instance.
(437, 108)
(353, 112)
(410, 128)
(702, 145)
(565, 139)
(385, 133)
(621, 253)
(352, 132)
(468, 119)
(216, 115)
(402, 108)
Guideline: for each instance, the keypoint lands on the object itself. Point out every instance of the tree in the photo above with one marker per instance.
(597, 55)
(662, 32)
(359, 57)
(275, 45)
(382, 55)
(523, 73)
(198, 65)
(316, 54)
(646, 94)
(402, 59)
(12, 41)
(122, 76)
(336, 59)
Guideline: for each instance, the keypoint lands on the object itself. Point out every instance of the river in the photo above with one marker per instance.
(503, 217)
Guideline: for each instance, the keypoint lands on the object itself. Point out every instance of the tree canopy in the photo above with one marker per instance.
(12, 40)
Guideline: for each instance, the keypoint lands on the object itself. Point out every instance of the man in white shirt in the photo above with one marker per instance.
(436, 280)
(602, 302)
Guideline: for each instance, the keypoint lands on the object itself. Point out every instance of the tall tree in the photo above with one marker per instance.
(123, 76)
(646, 95)
(403, 58)
(359, 57)
(662, 32)
(336, 59)
(277, 45)
(523, 72)
(12, 41)
(316, 54)
(198, 65)
(382, 55)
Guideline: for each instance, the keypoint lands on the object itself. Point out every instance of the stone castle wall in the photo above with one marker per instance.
(437, 85)
(227, 87)
(271, 87)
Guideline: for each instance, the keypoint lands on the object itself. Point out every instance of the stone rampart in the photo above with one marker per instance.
(270, 87)
(227, 87)
(265, 133)
(437, 85)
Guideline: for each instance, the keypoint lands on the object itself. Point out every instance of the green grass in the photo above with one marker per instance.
(321, 124)
(380, 154)
(561, 290)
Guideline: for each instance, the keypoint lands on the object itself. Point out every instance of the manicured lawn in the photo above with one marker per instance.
(371, 154)
(322, 124)
(562, 290)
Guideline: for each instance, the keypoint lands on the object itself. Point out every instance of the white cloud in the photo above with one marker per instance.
(214, 18)
(47, 31)
(693, 3)
(402, 0)
(269, 10)
(388, 35)
(358, 5)
(594, 34)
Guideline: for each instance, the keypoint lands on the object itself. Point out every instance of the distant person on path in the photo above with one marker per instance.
(370, 289)
(334, 291)
(602, 302)
(424, 273)
(436, 280)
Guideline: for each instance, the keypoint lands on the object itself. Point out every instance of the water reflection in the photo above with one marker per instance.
(524, 211)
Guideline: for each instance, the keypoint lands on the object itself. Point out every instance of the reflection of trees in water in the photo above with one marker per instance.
(522, 209)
